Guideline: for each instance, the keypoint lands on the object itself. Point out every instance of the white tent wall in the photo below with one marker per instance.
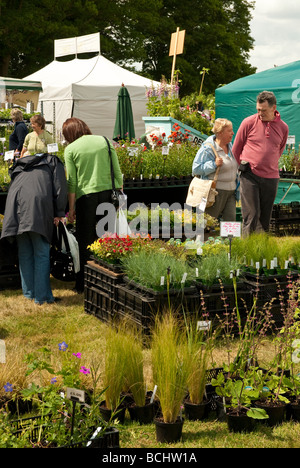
(90, 87)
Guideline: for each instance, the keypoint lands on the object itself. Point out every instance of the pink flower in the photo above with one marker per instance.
(84, 370)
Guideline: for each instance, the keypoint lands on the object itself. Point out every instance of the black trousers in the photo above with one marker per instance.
(86, 221)
(257, 199)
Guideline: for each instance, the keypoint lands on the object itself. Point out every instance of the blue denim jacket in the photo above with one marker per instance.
(204, 161)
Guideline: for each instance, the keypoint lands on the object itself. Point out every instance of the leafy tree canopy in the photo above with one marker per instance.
(217, 36)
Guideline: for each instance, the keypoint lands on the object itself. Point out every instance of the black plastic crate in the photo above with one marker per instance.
(221, 301)
(98, 303)
(286, 211)
(285, 227)
(104, 280)
(264, 293)
(10, 278)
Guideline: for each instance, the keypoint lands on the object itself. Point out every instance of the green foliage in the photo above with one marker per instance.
(169, 365)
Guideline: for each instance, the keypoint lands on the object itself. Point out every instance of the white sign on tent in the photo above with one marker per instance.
(77, 45)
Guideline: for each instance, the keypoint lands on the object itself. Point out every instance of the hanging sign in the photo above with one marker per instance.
(52, 148)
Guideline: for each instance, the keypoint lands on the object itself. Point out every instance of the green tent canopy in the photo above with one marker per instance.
(237, 100)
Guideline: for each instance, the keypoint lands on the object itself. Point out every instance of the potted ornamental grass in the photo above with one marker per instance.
(200, 343)
(139, 403)
(170, 374)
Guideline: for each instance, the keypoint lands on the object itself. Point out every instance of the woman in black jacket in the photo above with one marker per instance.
(17, 137)
(36, 199)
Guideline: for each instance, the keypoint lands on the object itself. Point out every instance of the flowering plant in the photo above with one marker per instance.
(113, 248)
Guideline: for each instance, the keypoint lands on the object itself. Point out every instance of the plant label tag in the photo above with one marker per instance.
(275, 262)
(3, 140)
(257, 265)
(2, 352)
(132, 151)
(230, 228)
(286, 264)
(272, 266)
(94, 435)
(9, 155)
(184, 277)
(153, 394)
(203, 325)
(202, 205)
(52, 148)
(165, 150)
(264, 263)
(197, 272)
(162, 280)
(75, 395)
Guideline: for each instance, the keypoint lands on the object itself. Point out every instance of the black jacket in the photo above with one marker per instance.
(37, 193)
(17, 137)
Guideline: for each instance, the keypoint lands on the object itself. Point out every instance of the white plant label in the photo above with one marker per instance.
(2, 352)
(75, 394)
(9, 155)
(52, 148)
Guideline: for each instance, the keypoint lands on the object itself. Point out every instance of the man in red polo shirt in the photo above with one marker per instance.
(259, 143)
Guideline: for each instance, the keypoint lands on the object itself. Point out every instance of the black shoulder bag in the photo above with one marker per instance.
(115, 193)
(61, 263)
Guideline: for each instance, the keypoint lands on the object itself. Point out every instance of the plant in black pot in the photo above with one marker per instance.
(140, 407)
(238, 401)
(200, 342)
(170, 373)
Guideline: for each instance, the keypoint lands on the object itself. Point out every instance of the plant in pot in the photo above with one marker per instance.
(170, 373)
(272, 395)
(113, 378)
(140, 406)
(200, 343)
(238, 401)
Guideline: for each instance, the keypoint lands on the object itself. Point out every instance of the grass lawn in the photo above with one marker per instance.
(26, 327)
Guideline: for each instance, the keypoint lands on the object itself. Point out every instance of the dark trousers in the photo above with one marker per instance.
(86, 221)
(257, 199)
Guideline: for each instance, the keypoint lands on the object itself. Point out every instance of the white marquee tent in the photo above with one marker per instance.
(88, 89)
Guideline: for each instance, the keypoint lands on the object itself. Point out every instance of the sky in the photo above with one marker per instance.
(275, 30)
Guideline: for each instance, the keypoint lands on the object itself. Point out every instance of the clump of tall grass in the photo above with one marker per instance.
(148, 267)
(169, 365)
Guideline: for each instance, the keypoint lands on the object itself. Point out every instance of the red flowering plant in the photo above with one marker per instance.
(177, 136)
(112, 248)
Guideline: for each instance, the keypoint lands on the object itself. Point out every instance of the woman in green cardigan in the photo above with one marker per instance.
(89, 183)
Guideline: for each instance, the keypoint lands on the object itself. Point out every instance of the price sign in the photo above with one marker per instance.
(75, 395)
(9, 155)
(52, 148)
(230, 228)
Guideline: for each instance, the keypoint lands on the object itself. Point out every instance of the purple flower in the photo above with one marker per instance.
(84, 370)
(53, 380)
(78, 355)
(8, 387)
(62, 346)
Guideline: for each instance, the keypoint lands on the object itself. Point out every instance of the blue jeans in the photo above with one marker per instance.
(34, 265)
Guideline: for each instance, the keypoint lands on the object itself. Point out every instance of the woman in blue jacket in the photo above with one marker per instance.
(205, 165)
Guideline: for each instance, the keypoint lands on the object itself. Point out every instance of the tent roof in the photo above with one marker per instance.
(16, 83)
(273, 78)
(96, 71)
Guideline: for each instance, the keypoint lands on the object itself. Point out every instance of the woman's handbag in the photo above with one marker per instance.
(116, 193)
(200, 189)
(61, 260)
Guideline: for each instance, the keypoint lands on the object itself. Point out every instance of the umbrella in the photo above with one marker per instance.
(124, 126)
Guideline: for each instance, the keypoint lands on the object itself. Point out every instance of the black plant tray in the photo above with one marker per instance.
(282, 276)
(188, 290)
(115, 267)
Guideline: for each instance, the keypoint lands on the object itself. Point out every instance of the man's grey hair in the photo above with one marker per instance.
(267, 96)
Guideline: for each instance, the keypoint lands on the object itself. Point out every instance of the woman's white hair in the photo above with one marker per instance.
(220, 124)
